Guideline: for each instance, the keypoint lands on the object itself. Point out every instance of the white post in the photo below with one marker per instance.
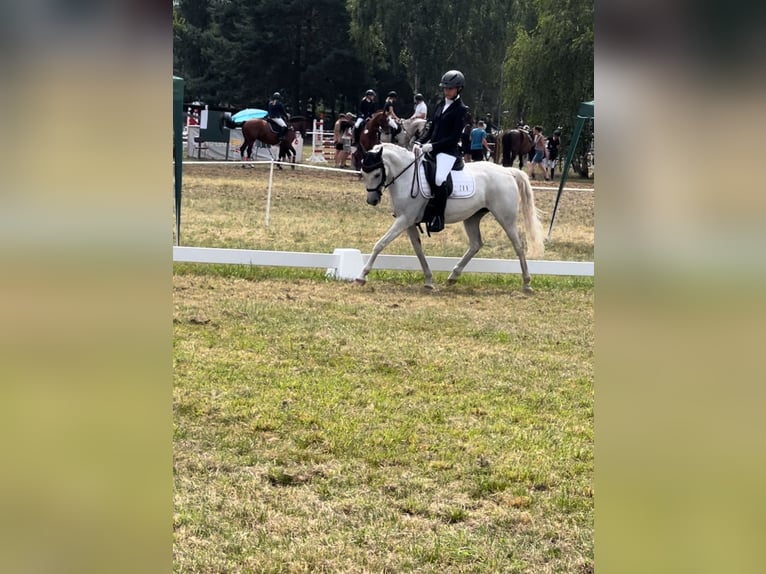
(268, 193)
(348, 264)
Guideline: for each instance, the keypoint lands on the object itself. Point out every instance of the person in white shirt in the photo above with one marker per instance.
(421, 110)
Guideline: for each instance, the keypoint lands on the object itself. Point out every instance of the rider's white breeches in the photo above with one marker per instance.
(444, 163)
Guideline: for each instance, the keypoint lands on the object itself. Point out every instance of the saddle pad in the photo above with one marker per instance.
(463, 184)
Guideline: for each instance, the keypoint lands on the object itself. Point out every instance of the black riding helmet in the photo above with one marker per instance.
(452, 79)
(392, 94)
(418, 97)
(276, 96)
(370, 93)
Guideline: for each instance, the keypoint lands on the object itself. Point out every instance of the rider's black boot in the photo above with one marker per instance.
(439, 204)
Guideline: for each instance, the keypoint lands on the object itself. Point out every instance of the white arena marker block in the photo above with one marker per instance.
(348, 264)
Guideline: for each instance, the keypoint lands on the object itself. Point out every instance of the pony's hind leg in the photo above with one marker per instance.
(509, 226)
(475, 243)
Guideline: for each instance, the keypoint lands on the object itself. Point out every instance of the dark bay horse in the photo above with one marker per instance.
(300, 124)
(514, 143)
(465, 136)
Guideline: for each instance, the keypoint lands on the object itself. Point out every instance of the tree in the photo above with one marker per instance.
(534, 57)
(550, 68)
(239, 52)
(418, 41)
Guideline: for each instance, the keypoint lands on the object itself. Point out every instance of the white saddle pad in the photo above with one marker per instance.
(463, 184)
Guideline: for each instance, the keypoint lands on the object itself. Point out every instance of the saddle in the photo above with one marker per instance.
(275, 127)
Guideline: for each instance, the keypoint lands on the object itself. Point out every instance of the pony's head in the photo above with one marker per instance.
(374, 174)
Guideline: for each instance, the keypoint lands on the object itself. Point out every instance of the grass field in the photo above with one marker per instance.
(325, 427)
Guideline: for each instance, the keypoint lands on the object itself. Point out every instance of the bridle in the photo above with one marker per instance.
(380, 165)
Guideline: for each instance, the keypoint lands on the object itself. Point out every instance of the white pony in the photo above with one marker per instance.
(490, 189)
(412, 129)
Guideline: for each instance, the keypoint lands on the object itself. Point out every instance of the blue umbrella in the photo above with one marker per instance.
(249, 114)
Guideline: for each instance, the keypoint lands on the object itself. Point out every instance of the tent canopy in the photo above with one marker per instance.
(585, 112)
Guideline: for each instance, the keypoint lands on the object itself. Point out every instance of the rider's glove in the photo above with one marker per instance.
(427, 147)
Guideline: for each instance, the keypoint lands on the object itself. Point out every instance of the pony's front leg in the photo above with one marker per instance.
(399, 225)
(417, 246)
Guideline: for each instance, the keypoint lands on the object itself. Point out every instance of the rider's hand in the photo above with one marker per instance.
(417, 149)
(427, 147)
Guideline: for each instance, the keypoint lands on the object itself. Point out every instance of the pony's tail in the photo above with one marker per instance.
(530, 214)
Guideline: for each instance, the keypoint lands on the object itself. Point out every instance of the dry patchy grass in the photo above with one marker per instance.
(323, 427)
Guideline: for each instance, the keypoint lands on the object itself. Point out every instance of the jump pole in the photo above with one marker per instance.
(317, 153)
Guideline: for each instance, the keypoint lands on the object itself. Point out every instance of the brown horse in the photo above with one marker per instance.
(465, 136)
(514, 143)
(261, 130)
(369, 136)
(300, 124)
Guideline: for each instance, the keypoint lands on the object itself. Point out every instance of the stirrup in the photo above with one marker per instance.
(436, 224)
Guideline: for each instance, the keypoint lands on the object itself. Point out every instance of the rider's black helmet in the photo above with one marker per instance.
(557, 132)
(276, 96)
(418, 97)
(370, 93)
(452, 79)
(392, 94)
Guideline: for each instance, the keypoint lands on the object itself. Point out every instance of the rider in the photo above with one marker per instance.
(278, 114)
(367, 107)
(393, 120)
(421, 110)
(442, 137)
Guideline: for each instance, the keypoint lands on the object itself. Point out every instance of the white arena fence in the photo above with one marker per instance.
(346, 264)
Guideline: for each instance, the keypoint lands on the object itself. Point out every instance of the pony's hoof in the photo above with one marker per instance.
(528, 290)
(428, 287)
(360, 281)
(451, 282)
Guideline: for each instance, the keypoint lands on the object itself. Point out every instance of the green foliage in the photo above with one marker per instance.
(531, 58)
(550, 66)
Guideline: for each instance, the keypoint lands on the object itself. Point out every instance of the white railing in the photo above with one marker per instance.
(346, 264)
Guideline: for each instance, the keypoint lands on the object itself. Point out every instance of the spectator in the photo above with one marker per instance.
(342, 137)
(553, 150)
(537, 159)
(479, 145)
